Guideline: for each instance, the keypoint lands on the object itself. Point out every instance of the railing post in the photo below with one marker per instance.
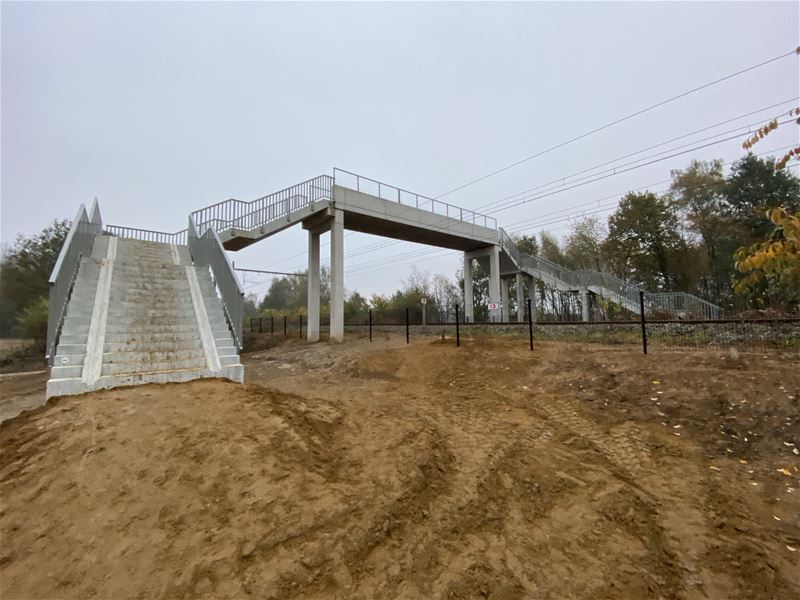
(458, 336)
(370, 325)
(644, 326)
(530, 324)
(407, 332)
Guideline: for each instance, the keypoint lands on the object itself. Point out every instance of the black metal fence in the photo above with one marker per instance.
(777, 334)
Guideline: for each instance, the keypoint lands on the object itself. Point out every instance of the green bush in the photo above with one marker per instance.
(33, 323)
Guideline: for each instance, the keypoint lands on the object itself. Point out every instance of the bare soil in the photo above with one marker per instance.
(380, 470)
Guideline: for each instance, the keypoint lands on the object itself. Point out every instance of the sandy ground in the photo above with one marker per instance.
(426, 471)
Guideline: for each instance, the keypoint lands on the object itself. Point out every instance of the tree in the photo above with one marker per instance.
(527, 244)
(644, 244)
(772, 268)
(550, 249)
(25, 270)
(356, 308)
(250, 306)
(753, 188)
(289, 294)
(446, 296)
(698, 194)
(584, 244)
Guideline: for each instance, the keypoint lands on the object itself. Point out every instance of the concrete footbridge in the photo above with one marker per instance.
(350, 201)
(133, 306)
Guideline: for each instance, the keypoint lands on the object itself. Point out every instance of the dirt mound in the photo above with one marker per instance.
(386, 471)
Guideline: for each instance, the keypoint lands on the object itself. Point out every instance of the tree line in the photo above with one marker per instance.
(730, 239)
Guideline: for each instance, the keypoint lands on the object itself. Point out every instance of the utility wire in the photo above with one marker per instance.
(616, 122)
(494, 205)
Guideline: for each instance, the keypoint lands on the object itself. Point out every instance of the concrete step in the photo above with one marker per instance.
(152, 309)
(151, 337)
(151, 269)
(72, 338)
(149, 366)
(224, 361)
(69, 360)
(143, 317)
(57, 372)
(152, 356)
(68, 348)
(76, 325)
(126, 328)
(155, 277)
(173, 302)
(150, 286)
(152, 346)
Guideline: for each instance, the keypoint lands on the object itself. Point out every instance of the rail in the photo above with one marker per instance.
(241, 214)
(393, 193)
(615, 289)
(77, 244)
(207, 251)
(148, 235)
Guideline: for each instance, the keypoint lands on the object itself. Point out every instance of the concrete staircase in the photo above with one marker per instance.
(141, 312)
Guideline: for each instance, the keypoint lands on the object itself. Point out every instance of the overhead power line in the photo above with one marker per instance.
(616, 122)
(412, 256)
(496, 205)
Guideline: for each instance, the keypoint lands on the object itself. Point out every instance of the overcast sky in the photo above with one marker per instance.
(162, 108)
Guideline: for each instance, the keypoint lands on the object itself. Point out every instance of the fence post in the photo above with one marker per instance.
(644, 326)
(284, 326)
(530, 324)
(458, 336)
(260, 324)
(407, 333)
(370, 326)
(301, 327)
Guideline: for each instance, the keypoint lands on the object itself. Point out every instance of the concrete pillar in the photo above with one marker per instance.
(469, 312)
(505, 305)
(337, 277)
(312, 335)
(532, 296)
(494, 282)
(585, 304)
(520, 298)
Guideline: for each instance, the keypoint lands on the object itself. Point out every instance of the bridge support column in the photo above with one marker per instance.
(312, 334)
(532, 296)
(520, 298)
(494, 282)
(585, 304)
(337, 277)
(505, 304)
(469, 312)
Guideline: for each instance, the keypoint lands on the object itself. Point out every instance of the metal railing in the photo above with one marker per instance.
(77, 244)
(242, 215)
(611, 287)
(392, 193)
(148, 235)
(207, 251)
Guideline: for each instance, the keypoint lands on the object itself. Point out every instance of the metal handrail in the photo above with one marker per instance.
(207, 251)
(240, 214)
(148, 235)
(626, 293)
(450, 211)
(77, 244)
